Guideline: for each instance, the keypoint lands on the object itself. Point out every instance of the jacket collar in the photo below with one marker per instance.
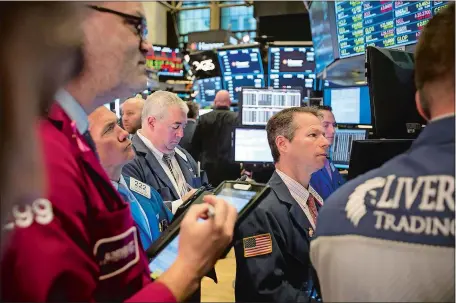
(296, 213)
(73, 109)
(437, 132)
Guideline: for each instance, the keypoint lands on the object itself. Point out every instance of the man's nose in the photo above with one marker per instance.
(180, 132)
(146, 46)
(324, 142)
(123, 135)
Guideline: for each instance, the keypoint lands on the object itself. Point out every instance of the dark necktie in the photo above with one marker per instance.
(312, 208)
(90, 142)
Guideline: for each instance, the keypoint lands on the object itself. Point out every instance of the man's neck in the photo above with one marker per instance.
(114, 172)
(295, 172)
(146, 134)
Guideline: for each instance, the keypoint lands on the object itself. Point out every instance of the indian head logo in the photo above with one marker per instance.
(356, 207)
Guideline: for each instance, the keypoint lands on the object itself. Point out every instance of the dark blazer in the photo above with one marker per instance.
(189, 130)
(323, 184)
(146, 168)
(211, 144)
(284, 274)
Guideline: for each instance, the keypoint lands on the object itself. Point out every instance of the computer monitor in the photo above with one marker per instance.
(341, 148)
(350, 105)
(258, 105)
(206, 89)
(241, 61)
(390, 74)
(233, 84)
(250, 145)
(370, 154)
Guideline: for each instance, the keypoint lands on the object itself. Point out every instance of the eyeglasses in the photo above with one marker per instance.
(139, 23)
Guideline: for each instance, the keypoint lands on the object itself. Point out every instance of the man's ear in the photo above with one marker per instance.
(282, 144)
(151, 121)
(419, 107)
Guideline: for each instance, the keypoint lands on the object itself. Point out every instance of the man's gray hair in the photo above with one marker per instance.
(158, 104)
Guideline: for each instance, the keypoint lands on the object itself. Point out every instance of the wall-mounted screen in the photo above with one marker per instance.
(165, 61)
(380, 23)
(233, 84)
(206, 89)
(204, 64)
(241, 61)
(291, 59)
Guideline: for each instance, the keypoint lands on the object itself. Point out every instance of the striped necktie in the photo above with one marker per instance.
(168, 158)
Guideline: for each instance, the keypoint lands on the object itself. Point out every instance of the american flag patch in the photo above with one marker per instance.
(257, 245)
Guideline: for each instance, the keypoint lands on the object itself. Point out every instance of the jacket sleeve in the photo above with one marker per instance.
(153, 292)
(263, 278)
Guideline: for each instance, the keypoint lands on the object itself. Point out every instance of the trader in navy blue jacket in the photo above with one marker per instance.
(272, 243)
(389, 234)
(115, 150)
(327, 179)
(159, 161)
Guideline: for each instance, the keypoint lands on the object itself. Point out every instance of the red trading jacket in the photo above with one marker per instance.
(83, 244)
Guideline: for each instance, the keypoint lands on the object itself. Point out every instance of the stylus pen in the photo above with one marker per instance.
(211, 211)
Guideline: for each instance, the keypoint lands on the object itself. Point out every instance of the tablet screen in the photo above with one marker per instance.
(238, 198)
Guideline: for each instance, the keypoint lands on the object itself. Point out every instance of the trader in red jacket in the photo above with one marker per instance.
(80, 242)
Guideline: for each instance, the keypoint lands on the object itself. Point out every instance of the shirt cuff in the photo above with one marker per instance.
(175, 205)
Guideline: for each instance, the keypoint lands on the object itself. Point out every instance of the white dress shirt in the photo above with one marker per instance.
(159, 156)
(300, 194)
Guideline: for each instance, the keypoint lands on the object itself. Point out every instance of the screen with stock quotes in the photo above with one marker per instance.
(380, 23)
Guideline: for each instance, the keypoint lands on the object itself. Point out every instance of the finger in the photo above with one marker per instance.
(220, 211)
(231, 220)
(196, 211)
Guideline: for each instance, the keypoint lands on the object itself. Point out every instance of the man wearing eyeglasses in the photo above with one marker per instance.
(79, 243)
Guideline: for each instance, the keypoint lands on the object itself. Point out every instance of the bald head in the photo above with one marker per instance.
(222, 99)
(131, 114)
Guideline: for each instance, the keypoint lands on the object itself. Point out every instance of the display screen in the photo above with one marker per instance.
(165, 61)
(341, 149)
(233, 84)
(241, 61)
(259, 105)
(204, 64)
(206, 89)
(291, 59)
(251, 145)
(285, 80)
(163, 261)
(322, 36)
(380, 23)
(350, 105)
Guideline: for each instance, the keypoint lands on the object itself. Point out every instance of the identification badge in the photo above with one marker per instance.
(139, 187)
(181, 154)
(117, 254)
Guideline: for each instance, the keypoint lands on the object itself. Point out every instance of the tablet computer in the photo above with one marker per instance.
(243, 196)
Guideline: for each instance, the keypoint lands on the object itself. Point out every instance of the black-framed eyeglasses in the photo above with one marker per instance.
(139, 23)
